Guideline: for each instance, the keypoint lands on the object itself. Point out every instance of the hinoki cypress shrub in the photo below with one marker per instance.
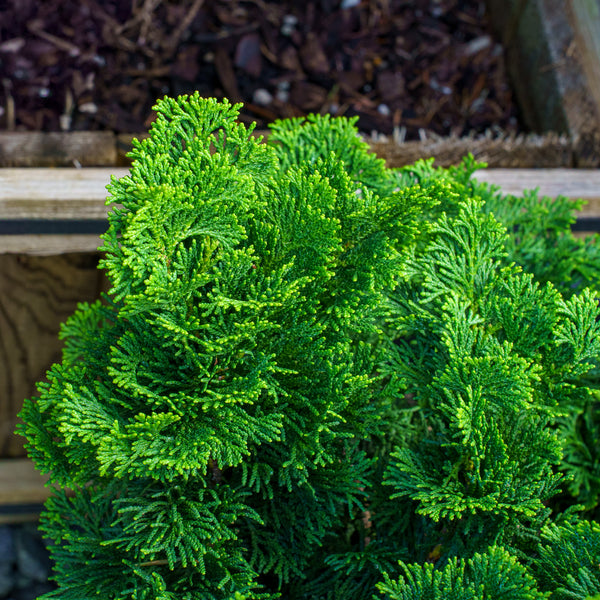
(315, 377)
(208, 412)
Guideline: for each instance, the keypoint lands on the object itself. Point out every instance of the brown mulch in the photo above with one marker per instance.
(409, 66)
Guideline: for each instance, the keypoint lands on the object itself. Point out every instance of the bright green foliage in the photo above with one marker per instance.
(491, 352)
(484, 363)
(541, 242)
(309, 368)
(540, 238)
(494, 574)
(207, 412)
(489, 357)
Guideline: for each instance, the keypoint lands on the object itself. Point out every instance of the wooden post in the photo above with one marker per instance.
(552, 55)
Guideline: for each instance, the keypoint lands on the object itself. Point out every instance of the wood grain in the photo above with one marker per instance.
(585, 18)
(552, 59)
(37, 293)
(572, 183)
(44, 193)
(57, 149)
(48, 245)
(80, 194)
(20, 483)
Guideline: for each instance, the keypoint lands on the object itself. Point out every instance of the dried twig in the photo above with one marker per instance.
(143, 14)
(65, 45)
(113, 32)
(10, 105)
(154, 563)
(66, 118)
(175, 37)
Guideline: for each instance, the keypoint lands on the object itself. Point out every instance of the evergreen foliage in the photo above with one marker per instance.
(569, 563)
(495, 574)
(486, 366)
(316, 377)
(540, 241)
(490, 359)
(207, 412)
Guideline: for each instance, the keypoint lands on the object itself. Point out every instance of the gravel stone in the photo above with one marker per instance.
(7, 545)
(33, 561)
(7, 578)
(31, 592)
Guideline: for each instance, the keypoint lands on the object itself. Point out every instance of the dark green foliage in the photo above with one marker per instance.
(569, 563)
(581, 431)
(485, 366)
(489, 359)
(309, 368)
(117, 539)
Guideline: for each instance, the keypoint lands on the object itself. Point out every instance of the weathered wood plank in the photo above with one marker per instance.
(585, 18)
(572, 183)
(57, 149)
(37, 294)
(80, 193)
(48, 245)
(44, 193)
(553, 67)
(21, 484)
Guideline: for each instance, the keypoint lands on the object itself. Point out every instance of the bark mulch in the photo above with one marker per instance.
(409, 66)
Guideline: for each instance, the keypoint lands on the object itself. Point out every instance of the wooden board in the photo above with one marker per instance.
(36, 295)
(44, 193)
(48, 245)
(53, 194)
(585, 20)
(80, 194)
(105, 149)
(21, 484)
(23, 491)
(57, 149)
(572, 183)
